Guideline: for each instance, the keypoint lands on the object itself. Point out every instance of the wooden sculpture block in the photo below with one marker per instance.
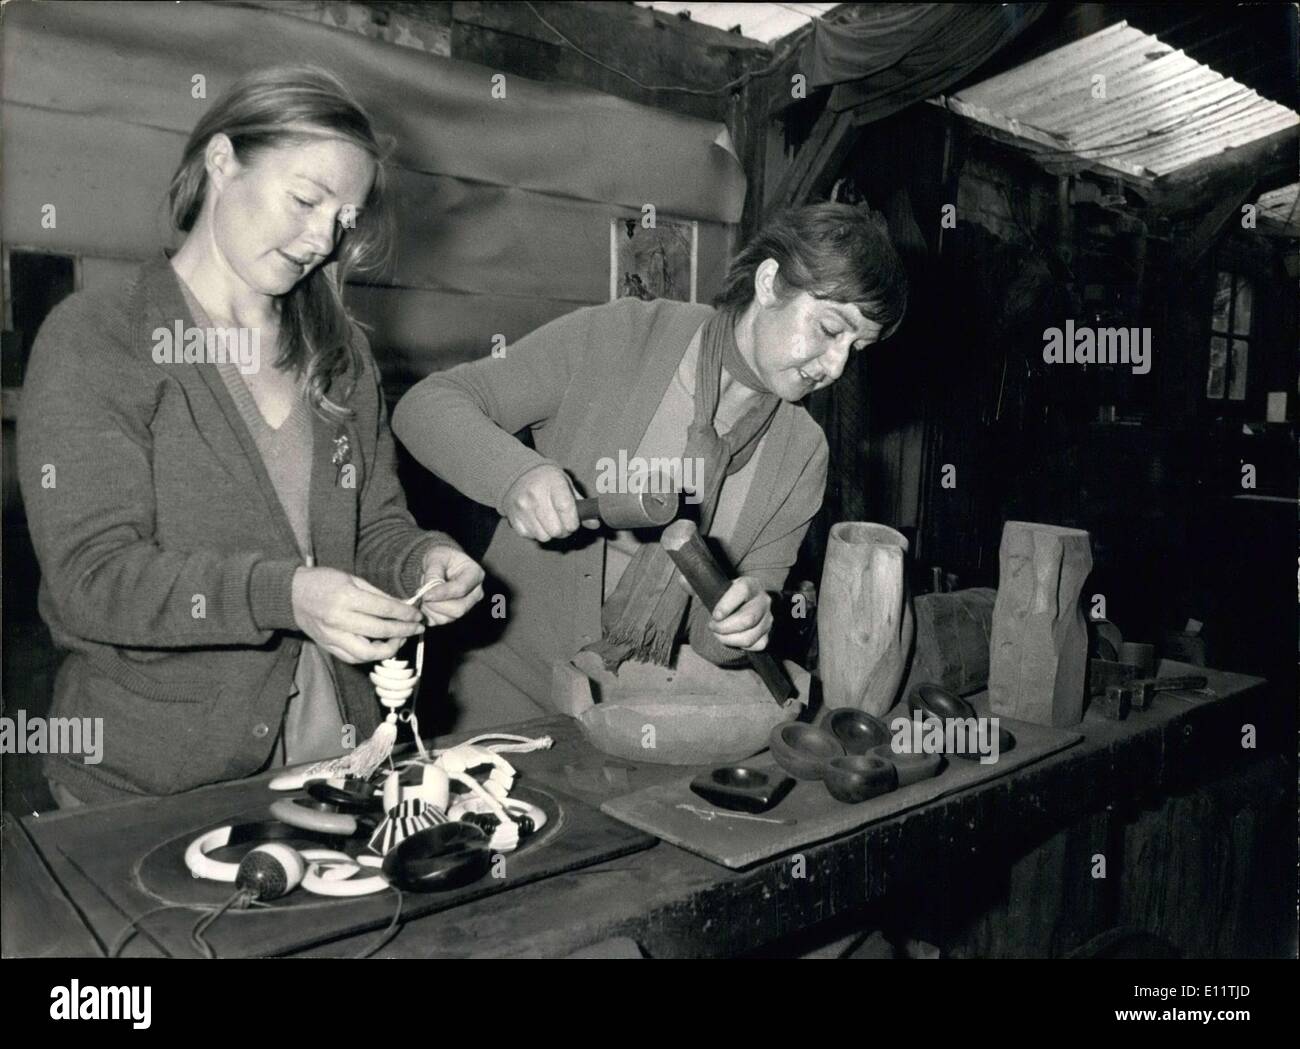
(864, 616)
(953, 632)
(1039, 651)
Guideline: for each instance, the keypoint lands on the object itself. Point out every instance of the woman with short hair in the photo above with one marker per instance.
(221, 533)
(715, 391)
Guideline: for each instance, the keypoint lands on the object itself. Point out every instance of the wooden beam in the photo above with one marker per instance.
(610, 48)
(1272, 161)
(820, 157)
(1189, 250)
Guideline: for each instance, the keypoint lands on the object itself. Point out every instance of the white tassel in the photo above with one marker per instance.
(374, 751)
(395, 682)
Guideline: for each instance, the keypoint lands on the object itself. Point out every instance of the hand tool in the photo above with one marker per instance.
(1139, 693)
(682, 541)
(709, 814)
(631, 509)
(1102, 673)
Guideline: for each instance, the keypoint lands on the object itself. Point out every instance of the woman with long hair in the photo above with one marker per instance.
(208, 470)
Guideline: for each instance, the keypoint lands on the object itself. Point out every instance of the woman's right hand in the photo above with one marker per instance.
(543, 504)
(349, 618)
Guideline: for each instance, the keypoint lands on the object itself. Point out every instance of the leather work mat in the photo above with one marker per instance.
(739, 843)
(117, 862)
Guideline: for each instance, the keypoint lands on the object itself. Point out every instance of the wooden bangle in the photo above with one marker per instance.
(439, 858)
(299, 812)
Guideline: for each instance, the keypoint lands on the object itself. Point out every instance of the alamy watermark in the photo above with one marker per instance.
(932, 735)
(1086, 345)
(37, 735)
(659, 475)
(181, 345)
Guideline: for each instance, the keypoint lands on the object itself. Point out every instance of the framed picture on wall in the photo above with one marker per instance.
(653, 258)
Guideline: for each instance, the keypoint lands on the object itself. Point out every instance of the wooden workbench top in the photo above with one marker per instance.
(673, 903)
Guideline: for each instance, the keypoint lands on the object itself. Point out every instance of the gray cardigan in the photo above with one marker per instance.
(587, 386)
(166, 557)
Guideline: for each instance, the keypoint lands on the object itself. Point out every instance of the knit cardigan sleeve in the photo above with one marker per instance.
(390, 545)
(85, 453)
(459, 423)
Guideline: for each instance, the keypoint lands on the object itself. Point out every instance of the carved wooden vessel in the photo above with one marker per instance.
(1039, 652)
(864, 616)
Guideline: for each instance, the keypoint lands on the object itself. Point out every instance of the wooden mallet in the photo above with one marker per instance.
(681, 540)
(648, 509)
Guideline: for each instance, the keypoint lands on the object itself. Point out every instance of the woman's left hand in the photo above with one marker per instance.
(743, 618)
(460, 589)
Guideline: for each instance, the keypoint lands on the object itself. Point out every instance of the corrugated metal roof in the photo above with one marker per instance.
(1279, 206)
(1124, 100)
(765, 22)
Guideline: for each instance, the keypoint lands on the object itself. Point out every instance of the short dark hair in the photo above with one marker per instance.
(839, 252)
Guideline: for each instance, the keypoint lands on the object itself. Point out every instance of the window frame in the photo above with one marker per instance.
(1237, 276)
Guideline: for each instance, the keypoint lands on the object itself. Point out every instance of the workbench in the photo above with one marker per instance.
(1194, 829)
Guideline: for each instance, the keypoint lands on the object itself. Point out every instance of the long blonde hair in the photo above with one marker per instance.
(283, 106)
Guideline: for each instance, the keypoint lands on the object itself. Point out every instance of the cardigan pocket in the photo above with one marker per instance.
(160, 737)
(122, 673)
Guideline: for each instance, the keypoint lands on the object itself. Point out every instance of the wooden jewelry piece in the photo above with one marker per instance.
(395, 682)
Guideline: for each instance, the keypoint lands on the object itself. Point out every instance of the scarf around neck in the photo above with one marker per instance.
(643, 616)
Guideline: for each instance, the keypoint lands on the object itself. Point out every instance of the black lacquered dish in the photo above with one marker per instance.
(803, 750)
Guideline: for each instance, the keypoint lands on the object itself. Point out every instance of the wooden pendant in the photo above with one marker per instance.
(1039, 651)
(864, 616)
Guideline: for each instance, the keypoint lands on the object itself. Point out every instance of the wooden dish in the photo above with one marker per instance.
(857, 777)
(803, 750)
(856, 730)
(1006, 742)
(911, 767)
(742, 788)
(938, 702)
(701, 714)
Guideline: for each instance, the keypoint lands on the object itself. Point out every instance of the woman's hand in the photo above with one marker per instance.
(460, 589)
(348, 617)
(743, 617)
(542, 504)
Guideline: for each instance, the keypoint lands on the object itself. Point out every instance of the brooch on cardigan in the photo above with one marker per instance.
(342, 450)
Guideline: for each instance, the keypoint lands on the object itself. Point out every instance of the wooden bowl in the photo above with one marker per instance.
(911, 768)
(701, 714)
(856, 730)
(742, 788)
(1006, 742)
(803, 750)
(857, 777)
(935, 701)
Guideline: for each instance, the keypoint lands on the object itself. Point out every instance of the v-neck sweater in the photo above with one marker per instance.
(312, 728)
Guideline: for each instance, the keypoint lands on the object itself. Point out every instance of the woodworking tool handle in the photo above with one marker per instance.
(683, 544)
(589, 508)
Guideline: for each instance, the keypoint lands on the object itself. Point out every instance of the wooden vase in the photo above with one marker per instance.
(864, 616)
(1039, 648)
